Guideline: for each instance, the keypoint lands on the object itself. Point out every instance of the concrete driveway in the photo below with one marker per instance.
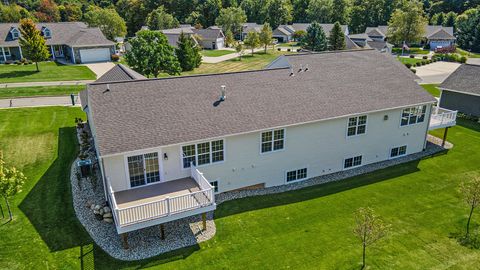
(100, 68)
(473, 61)
(436, 72)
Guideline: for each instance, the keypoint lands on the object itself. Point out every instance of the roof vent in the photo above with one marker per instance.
(291, 72)
(224, 93)
(306, 67)
(300, 69)
(108, 88)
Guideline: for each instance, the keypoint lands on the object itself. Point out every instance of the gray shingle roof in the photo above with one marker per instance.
(63, 33)
(429, 30)
(209, 33)
(465, 78)
(291, 28)
(150, 113)
(120, 73)
(440, 34)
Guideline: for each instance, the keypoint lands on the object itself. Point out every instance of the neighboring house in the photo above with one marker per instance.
(209, 38)
(248, 27)
(364, 41)
(165, 146)
(69, 41)
(284, 33)
(436, 36)
(461, 90)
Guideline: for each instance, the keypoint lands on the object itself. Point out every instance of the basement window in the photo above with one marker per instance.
(398, 151)
(352, 162)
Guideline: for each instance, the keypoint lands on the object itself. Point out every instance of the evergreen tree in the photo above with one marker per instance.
(337, 38)
(450, 19)
(33, 44)
(151, 54)
(265, 36)
(188, 53)
(252, 40)
(468, 30)
(315, 40)
(340, 11)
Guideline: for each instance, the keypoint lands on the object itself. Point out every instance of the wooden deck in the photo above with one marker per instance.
(155, 192)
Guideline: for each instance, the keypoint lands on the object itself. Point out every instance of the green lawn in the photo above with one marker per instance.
(468, 54)
(11, 92)
(412, 61)
(432, 89)
(49, 71)
(216, 53)
(305, 229)
(289, 44)
(411, 51)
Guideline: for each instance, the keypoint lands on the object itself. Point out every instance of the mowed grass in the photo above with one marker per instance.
(409, 60)
(467, 53)
(11, 92)
(216, 53)
(432, 89)
(305, 229)
(49, 71)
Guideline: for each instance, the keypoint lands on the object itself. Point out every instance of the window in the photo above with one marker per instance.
(7, 51)
(357, 125)
(414, 115)
(143, 169)
(297, 175)
(46, 32)
(214, 184)
(352, 162)
(273, 140)
(15, 33)
(398, 151)
(202, 153)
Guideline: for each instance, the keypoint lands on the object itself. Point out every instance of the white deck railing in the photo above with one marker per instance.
(167, 206)
(441, 118)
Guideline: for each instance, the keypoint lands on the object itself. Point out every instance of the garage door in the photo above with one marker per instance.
(95, 55)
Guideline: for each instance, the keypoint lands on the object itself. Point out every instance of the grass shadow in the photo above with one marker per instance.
(49, 206)
(266, 201)
(17, 74)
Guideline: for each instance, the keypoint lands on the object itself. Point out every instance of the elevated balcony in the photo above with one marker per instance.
(442, 118)
(155, 204)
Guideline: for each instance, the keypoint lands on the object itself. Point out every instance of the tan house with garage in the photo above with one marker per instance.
(167, 146)
(72, 42)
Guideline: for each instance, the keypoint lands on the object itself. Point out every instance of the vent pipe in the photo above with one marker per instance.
(224, 93)
(306, 67)
(300, 69)
(291, 72)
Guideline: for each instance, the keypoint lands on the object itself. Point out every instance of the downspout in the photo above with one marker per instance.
(53, 52)
(73, 55)
(4, 56)
(428, 128)
(21, 55)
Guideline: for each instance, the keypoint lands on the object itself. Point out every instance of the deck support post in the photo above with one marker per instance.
(444, 136)
(162, 231)
(204, 221)
(125, 240)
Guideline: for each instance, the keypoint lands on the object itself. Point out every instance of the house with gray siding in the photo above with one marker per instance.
(461, 90)
(209, 38)
(166, 146)
(284, 33)
(73, 42)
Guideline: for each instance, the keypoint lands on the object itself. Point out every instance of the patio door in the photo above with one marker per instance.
(143, 169)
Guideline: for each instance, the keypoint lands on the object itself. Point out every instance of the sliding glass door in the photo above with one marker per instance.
(143, 169)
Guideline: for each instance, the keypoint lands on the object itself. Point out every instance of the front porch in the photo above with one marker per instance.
(159, 203)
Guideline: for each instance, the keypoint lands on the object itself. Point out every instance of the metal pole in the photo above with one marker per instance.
(72, 96)
(444, 137)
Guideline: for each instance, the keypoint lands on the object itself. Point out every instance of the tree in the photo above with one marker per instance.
(450, 19)
(33, 44)
(320, 10)
(256, 10)
(265, 36)
(252, 40)
(300, 11)
(240, 50)
(11, 182)
(133, 12)
(159, 19)
(337, 38)
(232, 19)
(438, 19)
(340, 11)
(279, 12)
(210, 11)
(299, 35)
(47, 11)
(468, 32)
(70, 13)
(229, 39)
(108, 20)
(471, 195)
(407, 25)
(13, 13)
(151, 54)
(315, 40)
(188, 53)
(369, 228)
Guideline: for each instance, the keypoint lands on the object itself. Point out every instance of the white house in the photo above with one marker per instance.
(166, 145)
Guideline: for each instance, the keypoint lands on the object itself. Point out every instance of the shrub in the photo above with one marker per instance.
(23, 60)
(408, 65)
(288, 50)
(412, 56)
(115, 58)
(298, 50)
(413, 70)
(463, 59)
(424, 63)
(425, 57)
(17, 62)
(279, 49)
(29, 62)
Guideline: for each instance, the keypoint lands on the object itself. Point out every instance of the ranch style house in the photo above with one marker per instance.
(167, 146)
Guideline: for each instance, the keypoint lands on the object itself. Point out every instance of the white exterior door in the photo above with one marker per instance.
(95, 55)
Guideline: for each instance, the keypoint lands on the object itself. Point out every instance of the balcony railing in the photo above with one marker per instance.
(442, 118)
(202, 195)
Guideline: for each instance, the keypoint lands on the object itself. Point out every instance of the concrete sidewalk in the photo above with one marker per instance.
(38, 102)
(55, 83)
(218, 59)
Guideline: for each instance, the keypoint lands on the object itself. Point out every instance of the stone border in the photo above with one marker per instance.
(146, 243)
